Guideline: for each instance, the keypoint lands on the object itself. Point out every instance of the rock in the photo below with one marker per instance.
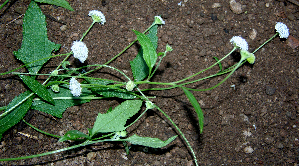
(292, 42)
(216, 5)
(236, 7)
(248, 149)
(91, 155)
(63, 27)
(253, 34)
(270, 91)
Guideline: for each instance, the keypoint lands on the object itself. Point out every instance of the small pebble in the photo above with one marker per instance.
(91, 155)
(236, 7)
(253, 34)
(63, 27)
(248, 149)
(216, 5)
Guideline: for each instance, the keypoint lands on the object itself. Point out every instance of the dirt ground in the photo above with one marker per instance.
(256, 108)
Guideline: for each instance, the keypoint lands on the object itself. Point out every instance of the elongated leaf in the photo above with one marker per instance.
(149, 142)
(139, 67)
(61, 3)
(17, 113)
(116, 119)
(149, 52)
(60, 104)
(219, 63)
(73, 135)
(35, 44)
(37, 88)
(196, 106)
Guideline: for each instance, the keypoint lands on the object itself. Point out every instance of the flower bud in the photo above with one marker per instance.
(248, 56)
(159, 20)
(149, 105)
(55, 88)
(130, 85)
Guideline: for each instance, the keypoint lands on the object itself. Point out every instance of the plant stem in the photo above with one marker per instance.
(238, 65)
(181, 133)
(85, 33)
(41, 131)
(265, 43)
(207, 68)
(4, 4)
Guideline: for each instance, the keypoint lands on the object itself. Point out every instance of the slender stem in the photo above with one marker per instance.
(177, 128)
(208, 67)
(59, 150)
(85, 33)
(181, 133)
(265, 43)
(4, 4)
(238, 65)
(41, 131)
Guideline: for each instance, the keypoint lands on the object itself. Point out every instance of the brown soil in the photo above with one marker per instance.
(263, 101)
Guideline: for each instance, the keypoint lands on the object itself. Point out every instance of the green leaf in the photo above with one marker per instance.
(60, 104)
(110, 92)
(73, 135)
(139, 67)
(61, 3)
(152, 35)
(14, 116)
(149, 51)
(196, 106)
(35, 44)
(149, 142)
(219, 63)
(116, 119)
(37, 88)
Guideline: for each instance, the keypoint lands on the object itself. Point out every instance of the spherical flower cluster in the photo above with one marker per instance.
(159, 20)
(75, 87)
(80, 50)
(282, 30)
(97, 16)
(130, 85)
(238, 41)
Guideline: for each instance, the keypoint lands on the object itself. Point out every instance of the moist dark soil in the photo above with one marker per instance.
(257, 107)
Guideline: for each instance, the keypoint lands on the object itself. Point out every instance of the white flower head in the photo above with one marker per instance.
(97, 16)
(75, 87)
(282, 30)
(238, 41)
(130, 85)
(159, 20)
(80, 50)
